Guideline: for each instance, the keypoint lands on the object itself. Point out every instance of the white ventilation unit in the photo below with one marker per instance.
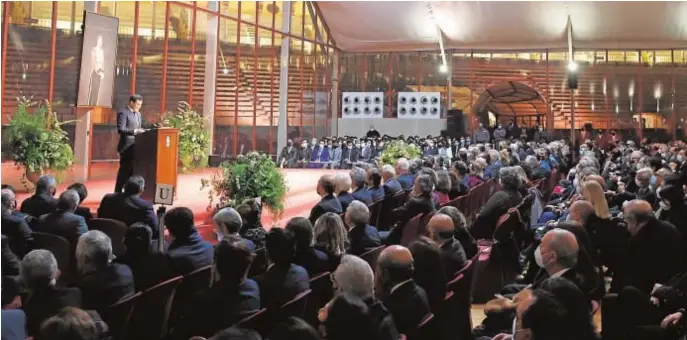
(362, 105)
(419, 105)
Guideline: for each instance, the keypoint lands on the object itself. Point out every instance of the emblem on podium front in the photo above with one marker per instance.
(164, 194)
(168, 141)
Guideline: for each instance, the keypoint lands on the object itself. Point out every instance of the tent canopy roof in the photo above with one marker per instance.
(379, 26)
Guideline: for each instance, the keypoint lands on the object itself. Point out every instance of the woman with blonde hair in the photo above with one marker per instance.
(331, 237)
(594, 194)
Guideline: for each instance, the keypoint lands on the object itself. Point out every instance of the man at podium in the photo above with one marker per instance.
(128, 126)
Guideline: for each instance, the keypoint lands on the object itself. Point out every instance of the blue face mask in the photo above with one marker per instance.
(653, 180)
(679, 158)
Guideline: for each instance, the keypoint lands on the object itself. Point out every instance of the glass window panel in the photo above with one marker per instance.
(600, 57)
(226, 94)
(664, 57)
(178, 56)
(680, 56)
(309, 24)
(297, 18)
(69, 19)
(230, 8)
(279, 7)
(266, 11)
(152, 20)
(584, 57)
(204, 5)
(616, 56)
(558, 56)
(151, 42)
(203, 19)
(632, 56)
(248, 11)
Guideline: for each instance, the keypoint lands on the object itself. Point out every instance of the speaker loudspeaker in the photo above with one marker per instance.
(456, 123)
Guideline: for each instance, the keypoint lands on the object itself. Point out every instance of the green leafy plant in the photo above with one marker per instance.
(35, 139)
(397, 149)
(194, 139)
(250, 176)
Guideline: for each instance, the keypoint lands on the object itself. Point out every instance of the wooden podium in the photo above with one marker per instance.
(156, 158)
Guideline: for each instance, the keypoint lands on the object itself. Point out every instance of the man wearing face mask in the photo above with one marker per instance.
(482, 134)
(499, 134)
(287, 157)
(304, 155)
(673, 208)
(335, 155)
(349, 156)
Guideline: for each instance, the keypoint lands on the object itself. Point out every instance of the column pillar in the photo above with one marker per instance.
(210, 76)
(284, 78)
(83, 128)
(334, 114)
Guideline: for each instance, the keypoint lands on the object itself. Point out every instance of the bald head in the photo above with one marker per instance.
(563, 247)
(579, 211)
(395, 265)
(441, 227)
(637, 214)
(9, 201)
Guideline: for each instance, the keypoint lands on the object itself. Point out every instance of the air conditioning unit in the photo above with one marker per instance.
(421, 105)
(362, 104)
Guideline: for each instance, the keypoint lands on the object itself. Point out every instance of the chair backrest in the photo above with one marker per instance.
(371, 257)
(322, 291)
(198, 279)
(151, 315)
(375, 209)
(57, 245)
(425, 329)
(116, 230)
(295, 307)
(259, 264)
(118, 315)
(410, 230)
(389, 204)
(253, 321)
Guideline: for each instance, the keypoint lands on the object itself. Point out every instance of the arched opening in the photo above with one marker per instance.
(511, 100)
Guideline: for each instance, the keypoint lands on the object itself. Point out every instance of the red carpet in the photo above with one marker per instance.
(300, 198)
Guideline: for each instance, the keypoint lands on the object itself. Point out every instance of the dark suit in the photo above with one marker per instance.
(392, 187)
(362, 195)
(497, 205)
(381, 321)
(13, 324)
(328, 203)
(39, 205)
(314, 261)
(127, 122)
(19, 234)
(362, 239)
(453, 256)
(345, 198)
(414, 206)
(129, 209)
(65, 224)
(104, 287)
(408, 306)
(46, 302)
(376, 193)
(10, 261)
(288, 154)
(281, 283)
(84, 212)
(407, 181)
(148, 269)
(348, 157)
(188, 254)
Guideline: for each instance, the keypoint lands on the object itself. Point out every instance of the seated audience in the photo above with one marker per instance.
(359, 192)
(228, 223)
(354, 276)
(315, 261)
(283, 280)
(429, 270)
(579, 323)
(101, 281)
(442, 232)
(15, 228)
(443, 187)
(406, 301)
(476, 175)
(420, 201)
(391, 186)
(293, 328)
(188, 251)
(10, 261)
(42, 201)
(148, 265)
(459, 186)
(63, 222)
(499, 203)
(343, 185)
(45, 298)
(362, 237)
(403, 172)
(251, 226)
(82, 211)
(461, 232)
(374, 184)
(331, 238)
(129, 207)
(346, 317)
(70, 324)
(673, 208)
(328, 203)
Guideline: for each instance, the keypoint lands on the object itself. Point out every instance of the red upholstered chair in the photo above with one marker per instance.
(151, 315)
(427, 329)
(322, 291)
(388, 205)
(371, 257)
(458, 308)
(118, 316)
(375, 209)
(259, 264)
(193, 284)
(414, 228)
(254, 321)
(116, 230)
(295, 307)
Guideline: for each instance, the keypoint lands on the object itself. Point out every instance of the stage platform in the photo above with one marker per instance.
(300, 198)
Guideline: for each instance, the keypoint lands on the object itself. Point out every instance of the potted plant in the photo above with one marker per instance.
(36, 141)
(397, 149)
(194, 139)
(252, 176)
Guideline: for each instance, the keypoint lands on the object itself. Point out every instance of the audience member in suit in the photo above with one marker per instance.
(349, 156)
(655, 253)
(72, 323)
(343, 185)
(579, 312)
(331, 238)
(148, 265)
(392, 186)
(288, 155)
(362, 237)
(459, 179)
(673, 208)
(63, 222)
(354, 276)
(442, 232)
(403, 172)
(15, 228)
(13, 324)
(304, 154)
(101, 281)
(283, 279)
(359, 192)
(328, 203)
(313, 260)
(129, 207)
(82, 211)
(346, 317)
(406, 301)
(461, 232)
(443, 187)
(498, 204)
(429, 271)
(293, 328)
(188, 251)
(420, 202)
(374, 182)
(231, 298)
(593, 284)
(228, 223)
(39, 274)
(10, 261)
(43, 201)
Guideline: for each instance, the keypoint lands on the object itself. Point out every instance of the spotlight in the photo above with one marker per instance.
(443, 68)
(572, 66)
(226, 71)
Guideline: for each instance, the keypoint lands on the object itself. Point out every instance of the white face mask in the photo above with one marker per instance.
(665, 205)
(538, 258)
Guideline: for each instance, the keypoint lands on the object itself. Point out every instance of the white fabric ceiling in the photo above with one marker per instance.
(513, 25)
